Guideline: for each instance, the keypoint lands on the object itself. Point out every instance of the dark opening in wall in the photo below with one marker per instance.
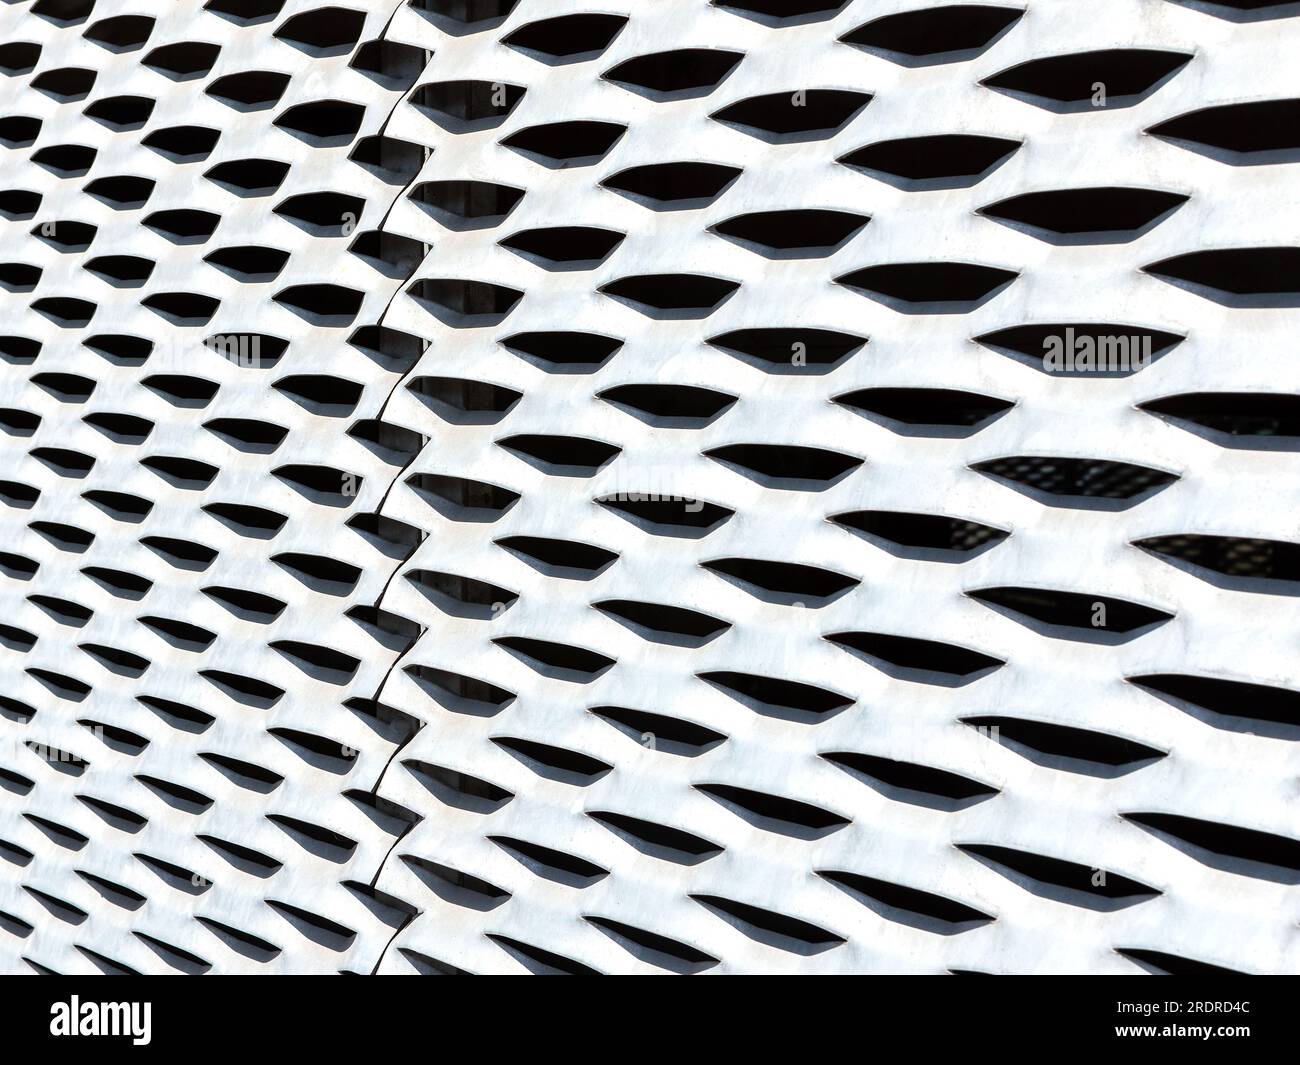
(963, 286)
(117, 894)
(568, 38)
(19, 131)
(465, 402)
(183, 144)
(467, 106)
(693, 294)
(558, 351)
(459, 17)
(390, 63)
(251, 90)
(676, 956)
(1263, 276)
(1085, 350)
(676, 74)
(64, 461)
(808, 585)
(921, 656)
(256, 351)
(326, 305)
(1073, 610)
(251, 606)
(63, 537)
(665, 624)
(244, 520)
(1226, 698)
(124, 33)
(551, 863)
(183, 226)
(189, 309)
(118, 582)
(1071, 478)
(249, 177)
(121, 506)
(323, 213)
(560, 558)
(21, 351)
(121, 193)
(683, 185)
(245, 12)
(572, 767)
(1126, 74)
(955, 916)
(245, 943)
(391, 160)
(800, 114)
(462, 302)
(178, 715)
(773, 929)
(782, 10)
(323, 123)
(565, 247)
(792, 350)
(17, 204)
(183, 554)
(461, 596)
(539, 961)
(668, 515)
(19, 57)
(678, 406)
(787, 466)
(66, 160)
(1245, 129)
(670, 734)
(1080, 880)
(782, 234)
(323, 31)
(566, 144)
(64, 13)
(1225, 841)
(953, 31)
(461, 694)
(1064, 741)
(19, 277)
(454, 886)
(688, 846)
(320, 930)
(773, 696)
(941, 157)
(1256, 416)
(183, 60)
(1246, 559)
(457, 788)
(120, 113)
(470, 500)
(121, 271)
(65, 84)
(180, 634)
(909, 776)
(319, 572)
(940, 407)
(570, 663)
(1092, 210)
(249, 263)
(467, 204)
(319, 751)
(1158, 962)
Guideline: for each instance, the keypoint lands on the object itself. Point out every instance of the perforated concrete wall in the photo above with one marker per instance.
(505, 486)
